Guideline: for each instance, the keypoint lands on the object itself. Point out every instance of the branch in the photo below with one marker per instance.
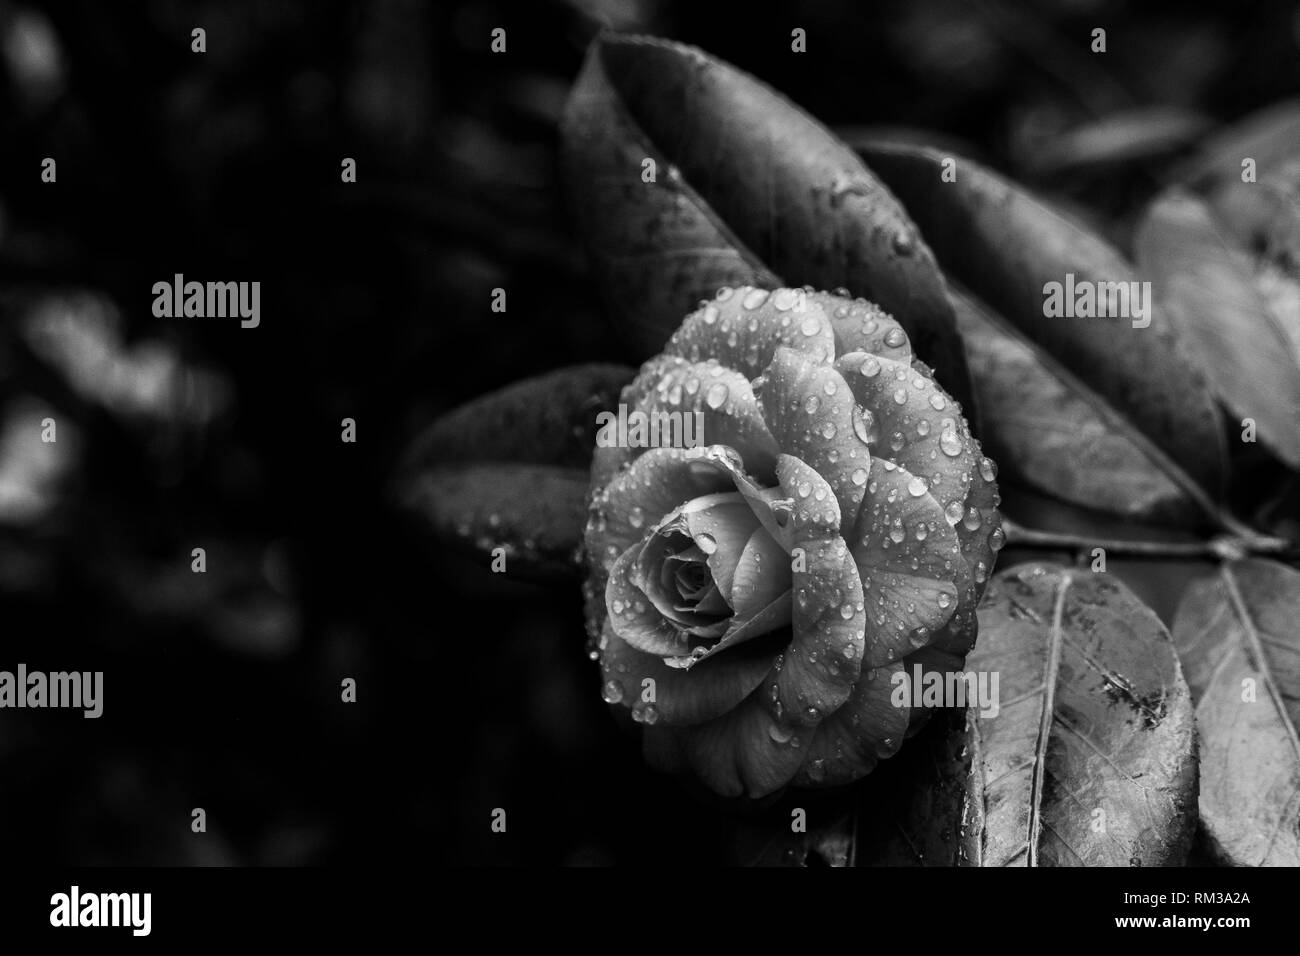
(1224, 547)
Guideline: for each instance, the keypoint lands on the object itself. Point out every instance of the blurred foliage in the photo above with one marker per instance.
(222, 691)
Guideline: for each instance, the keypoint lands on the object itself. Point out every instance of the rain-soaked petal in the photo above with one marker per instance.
(866, 729)
(743, 327)
(747, 751)
(721, 526)
(810, 410)
(634, 617)
(909, 561)
(863, 326)
(761, 576)
(622, 513)
(919, 427)
(824, 659)
(679, 696)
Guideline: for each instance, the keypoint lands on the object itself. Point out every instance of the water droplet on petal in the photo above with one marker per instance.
(944, 599)
(953, 512)
(711, 313)
(716, 396)
(828, 430)
(864, 425)
(900, 396)
(754, 298)
(870, 366)
(804, 489)
(612, 692)
(707, 543)
(997, 538)
(917, 486)
(923, 427)
(895, 338)
(780, 733)
(859, 476)
(636, 517)
(988, 469)
(949, 443)
(811, 404)
(937, 402)
(811, 325)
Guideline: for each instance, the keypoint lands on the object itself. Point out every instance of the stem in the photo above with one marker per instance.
(1225, 547)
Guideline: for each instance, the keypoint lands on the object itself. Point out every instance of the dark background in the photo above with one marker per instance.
(222, 690)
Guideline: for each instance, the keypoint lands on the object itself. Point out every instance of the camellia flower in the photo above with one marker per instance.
(754, 597)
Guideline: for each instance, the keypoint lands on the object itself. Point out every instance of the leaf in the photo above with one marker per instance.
(549, 419)
(1239, 641)
(748, 189)
(1267, 136)
(1122, 137)
(1207, 288)
(536, 513)
(1051, 432)
(1005, 246)
(511, 469)
(916, 808)
(1091, 757)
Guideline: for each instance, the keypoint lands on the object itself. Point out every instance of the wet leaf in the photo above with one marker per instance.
(1090, 759)
(549, 419)
(535, 513)
(748, 189)
(1236, 633)
(1050, 431)
(1206, 286)
(1005, 246)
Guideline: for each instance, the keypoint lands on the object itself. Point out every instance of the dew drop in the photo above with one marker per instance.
(846, 611)
(949, 443)
(997, 538)
(859, 476)
(754, 298)
(972, 520)
(895, 337)
(900, 396)
(711, 313)
(988, 469)
(937, 402)
(636, 517)
(707, 543)
(917, 486)
(811, 404)
(716, 396)
(612, 692)
(953, 512)
(804, 489)
(870, 366)
(944, 599)
(811, 325)
(828, 430)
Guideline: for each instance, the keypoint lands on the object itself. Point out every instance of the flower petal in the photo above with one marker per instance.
(910, 563)
(918, 426)
(659, 481)
(810, 409)
(668, 384)
(868, 728)
(823, 662)
(863, 326)
(761, 575)
(747, 751)
(721, 526)
(681, 697)
(634, 617)
(743, 328)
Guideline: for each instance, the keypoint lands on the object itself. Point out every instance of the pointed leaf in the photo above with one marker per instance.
(1006, 246)
(1090, 759)
(1238, 638)
(1051, 432)
(1223, 319)
(535, 513)
(748, 188)
(550, 419)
